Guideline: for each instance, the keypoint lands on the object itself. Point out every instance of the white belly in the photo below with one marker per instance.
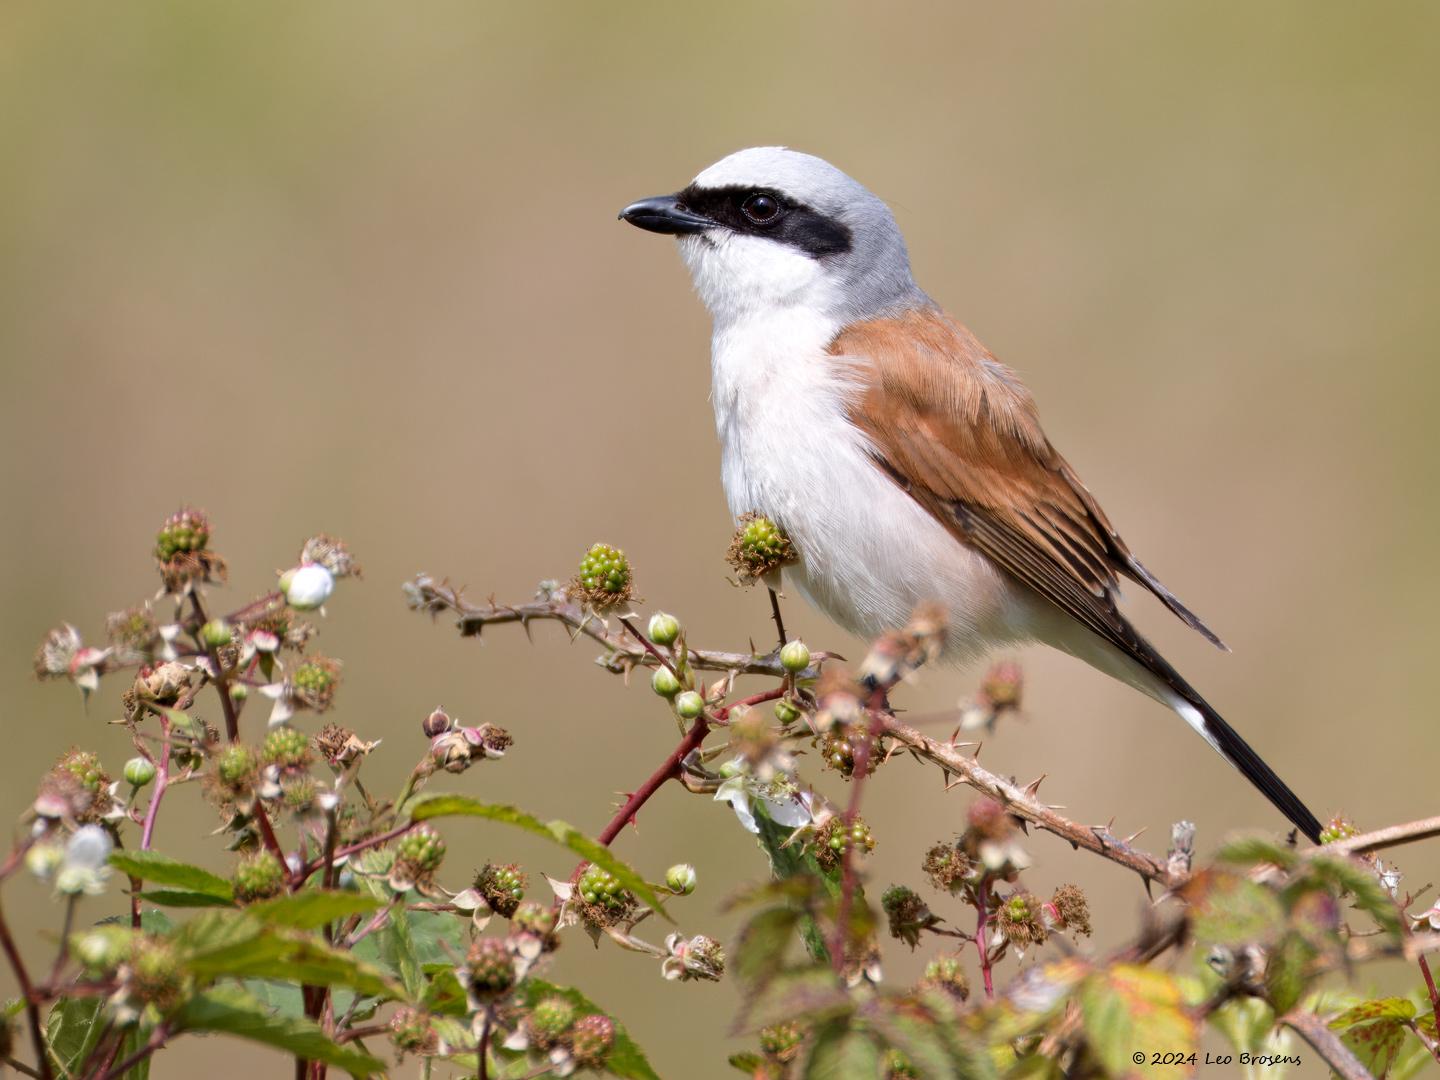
(869, 554)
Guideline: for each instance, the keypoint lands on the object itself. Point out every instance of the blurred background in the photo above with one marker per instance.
(355, 268)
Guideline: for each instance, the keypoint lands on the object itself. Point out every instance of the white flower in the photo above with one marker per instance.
(782, 803)
(85, 867)
(307, 587)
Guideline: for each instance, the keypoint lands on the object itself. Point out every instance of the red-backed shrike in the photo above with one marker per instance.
(905, 462)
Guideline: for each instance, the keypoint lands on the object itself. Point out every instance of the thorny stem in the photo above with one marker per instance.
(669, 768)
(1392, 836)
(155, 1042)
(1434, 996)
(1313, 1029)
(775, 614)
(27, 994)
(162, 781)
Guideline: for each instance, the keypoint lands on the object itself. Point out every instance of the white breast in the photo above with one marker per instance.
(869, 553)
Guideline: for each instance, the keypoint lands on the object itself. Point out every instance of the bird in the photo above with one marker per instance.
(903, 460)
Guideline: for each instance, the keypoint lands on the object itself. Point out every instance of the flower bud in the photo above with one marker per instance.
(795, 657)
(139, 771)
(664, 629)
(307, 587)
(216, 634)
(664, 683)
(680, 879)
(437, 723)
(786, 711)
(689, 705)
(239, 692)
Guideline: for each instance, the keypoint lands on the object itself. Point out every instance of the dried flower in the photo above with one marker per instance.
(331, 553)
(699, 957)
(412, 1032)
(460, 747)
(946, 974)
(1069, 910)
(908, 915)
(947, 866)
(1020, 920)
(781, 1042)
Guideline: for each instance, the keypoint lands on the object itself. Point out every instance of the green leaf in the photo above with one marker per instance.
(312, 909)
(433, 806)
(1233, 910)
(72, 1030)
(1259, 848)
(626, 1059)
(809, 993)
(748, 1063)
(1131, 1009)
(763, 942)
(1375, 1031)
(185, 898)
(445, 996)
(839, 1052)
(163, 870)
(1362, 885)
(1285, 971)
(234, 1012)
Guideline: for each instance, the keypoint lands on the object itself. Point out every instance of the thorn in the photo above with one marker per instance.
(1131, 838)
(1033, 788)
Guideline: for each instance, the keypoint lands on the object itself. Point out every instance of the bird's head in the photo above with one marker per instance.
(771, 227)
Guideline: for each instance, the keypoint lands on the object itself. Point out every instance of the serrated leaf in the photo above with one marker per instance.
(1233, 910)
(625, 1059)
(234, 1012)
(444, 995)
(184, 898)
(72, 1030)
(312, 909)
(763, 942)
(1285, 971)
(1131, 1009)
(1364, 888)
(839, 1052)
(162, 870)
(1250, 850)
(430, 807)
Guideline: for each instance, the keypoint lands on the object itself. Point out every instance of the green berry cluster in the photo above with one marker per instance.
(591, 1039)
(835, 837)
(1020, 919)
(422, 850)
(287, 747)
(549, 1022)
(1338, 828)
(490, 970)
(184, 531)
(315, 681)
(535, 919)
(236, 765)
(605, 899)
(260, 875)
(604, 580)
(758, 547)
(84, 768)
(156, 975)
(781, 1042)
(503, 887)
(946, 974)
(411, 1031)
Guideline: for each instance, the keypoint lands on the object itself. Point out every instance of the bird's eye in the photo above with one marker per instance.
(761, 208)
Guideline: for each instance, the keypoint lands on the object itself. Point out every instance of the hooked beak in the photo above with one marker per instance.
(665, 214)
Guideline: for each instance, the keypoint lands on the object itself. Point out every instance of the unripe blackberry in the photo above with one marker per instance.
(236, 764)
(437, 723)
(689, 705)
(781, 1042)
(606, 902)
(664, 629)
(664, 683)
(758, 547)
(680, 879)
(423, 849)
(216, 634)
(1338, 828)
(834, 838)
(1020, 920)
(533, 918)
(287, 748)
(139, 771)
(503, 887)
(259, 876)
(591, 1039)
(840, 748)
(604, 580)
(84, 768)
(156, 976)
(186, 530)
(549, 1022)
(313, 683)
(490, 970)
(795, 656)
(411, 1031)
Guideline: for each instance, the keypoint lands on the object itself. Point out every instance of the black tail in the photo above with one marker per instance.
(1238, 752)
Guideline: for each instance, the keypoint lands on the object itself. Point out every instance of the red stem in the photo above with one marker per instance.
(668, 769)
(162, 780)
(982, 918)
(847, 854)
(27, 994)
(1434, 994)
